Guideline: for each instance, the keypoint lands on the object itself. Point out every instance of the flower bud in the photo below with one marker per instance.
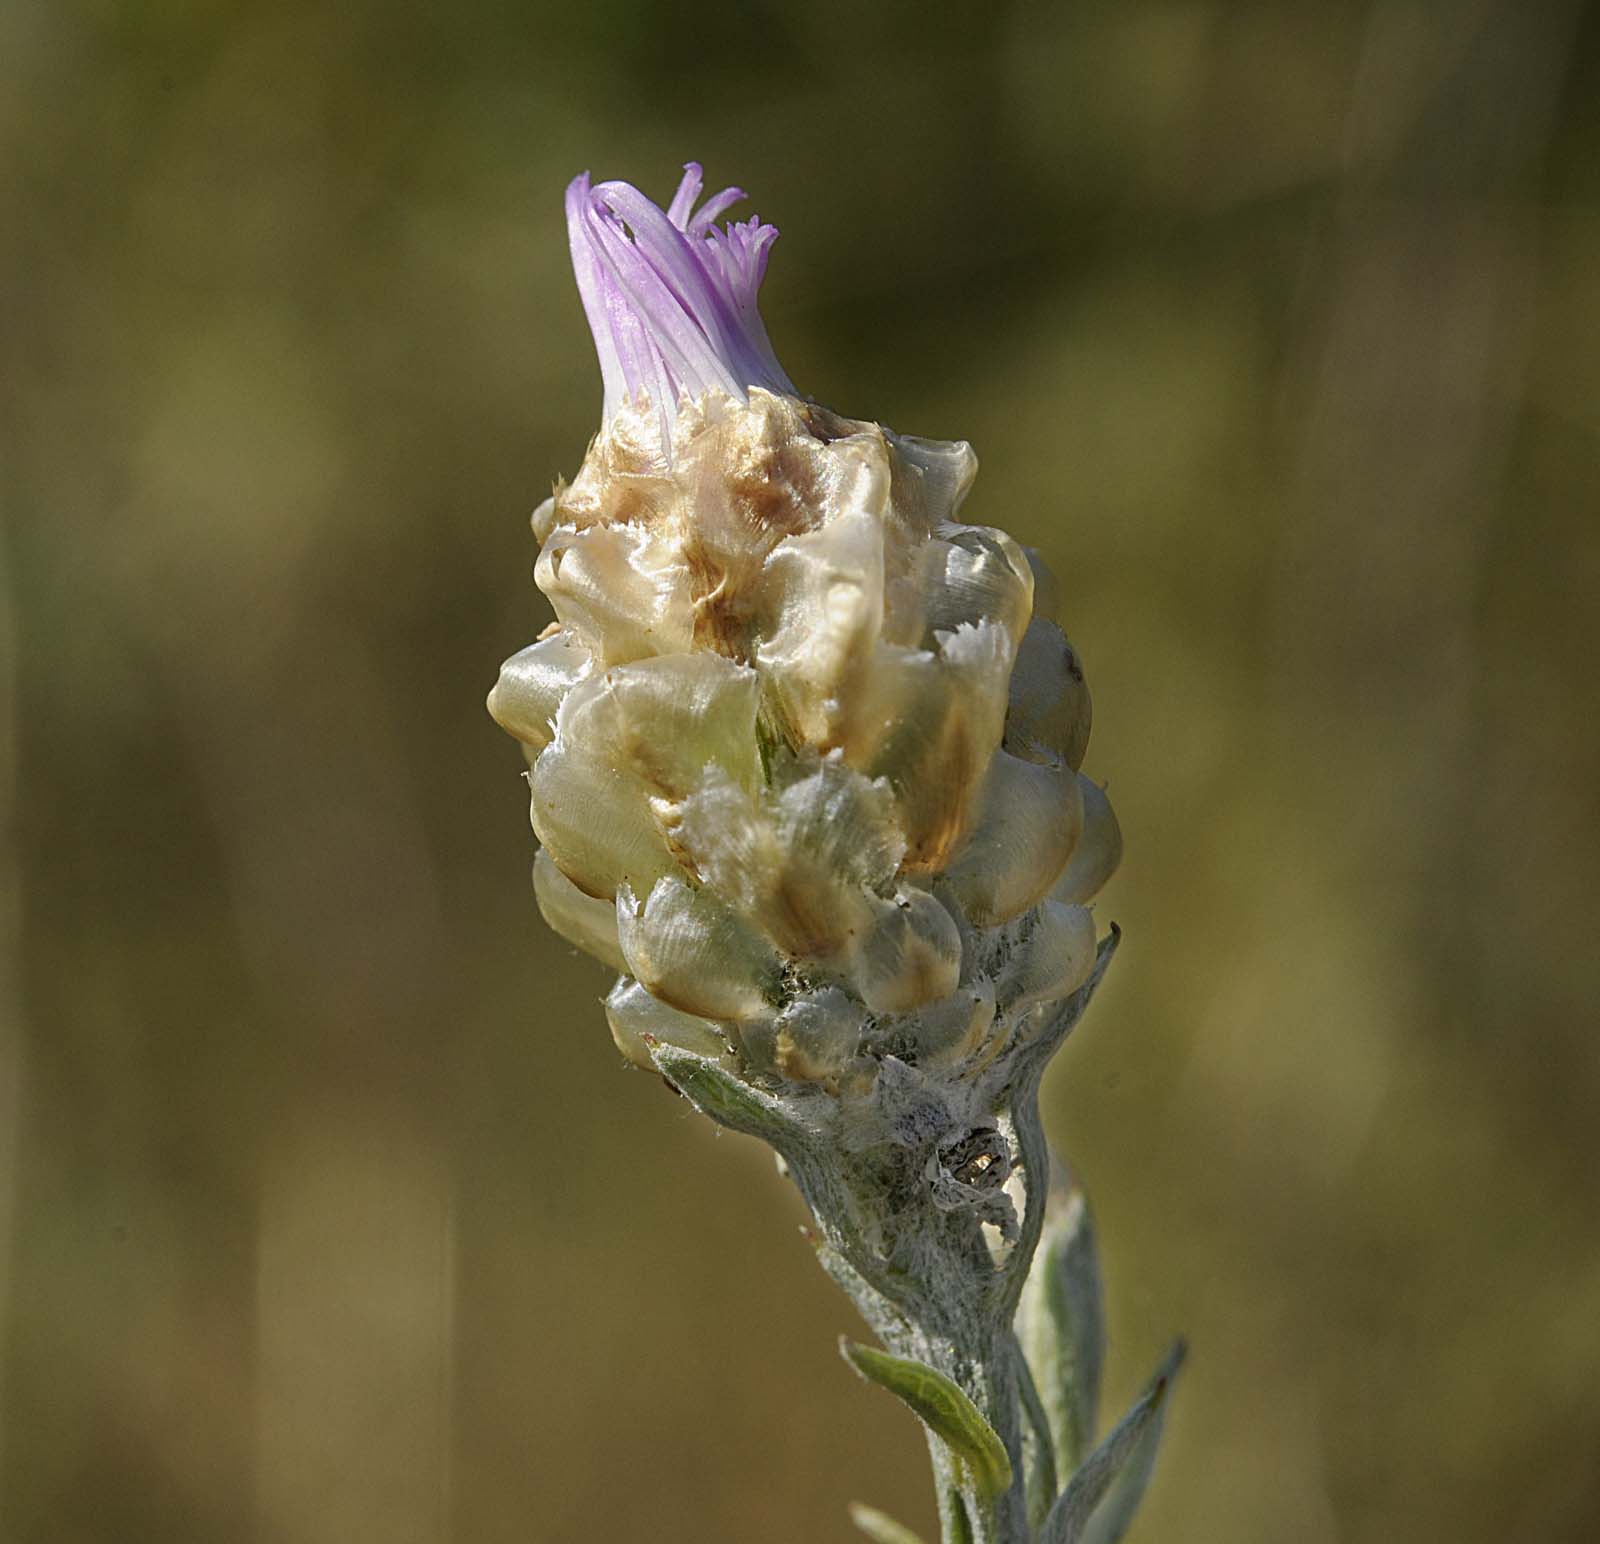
(951, 1031)
(695, 953)
(622, 589)
(805, 744)
(581, 919)
(1046, 590)
(1029, 818)
(1051, 956)
(594, 820)
(817, 1035)
(1049, 713)
(977, 575)
(911, 954)
(1094, 860)
(528, 694)
(636, 1018)
(666, 720)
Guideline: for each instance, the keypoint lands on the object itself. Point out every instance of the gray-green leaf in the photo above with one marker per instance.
(716, 1092)
(960, 1523)
(1128, 1450)
(941, 1406)
(1061, 1324)
(880, 1527)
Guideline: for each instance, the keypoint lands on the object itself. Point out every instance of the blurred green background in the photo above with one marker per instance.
(327, 1212)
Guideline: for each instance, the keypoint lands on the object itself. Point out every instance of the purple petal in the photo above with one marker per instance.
(678, 210)
(671, 296)
(713, 206)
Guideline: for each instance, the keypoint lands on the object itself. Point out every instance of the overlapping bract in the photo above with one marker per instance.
(804, 747)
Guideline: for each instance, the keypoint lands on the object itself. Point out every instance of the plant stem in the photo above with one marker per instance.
(934, 1262)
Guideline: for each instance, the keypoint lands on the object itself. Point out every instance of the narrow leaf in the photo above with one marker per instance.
(716, 1092)
(1061, 1324)
(960, 1523)
(941, 1406)
(1038, 1450)
(1121, 1452)
(880, 1527)
(1114, 1515)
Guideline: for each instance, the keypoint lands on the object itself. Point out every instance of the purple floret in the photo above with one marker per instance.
(671, 296)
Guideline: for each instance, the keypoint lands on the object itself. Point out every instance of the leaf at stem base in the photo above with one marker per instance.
(944, 1408)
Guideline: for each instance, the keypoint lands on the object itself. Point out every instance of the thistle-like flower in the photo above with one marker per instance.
(804, 755)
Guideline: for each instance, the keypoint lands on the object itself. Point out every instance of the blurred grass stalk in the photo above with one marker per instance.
(11, 1037)
(355, 1348)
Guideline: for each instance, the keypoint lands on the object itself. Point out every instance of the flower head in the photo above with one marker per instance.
(804, 753)
(671, 295)
(804, 745)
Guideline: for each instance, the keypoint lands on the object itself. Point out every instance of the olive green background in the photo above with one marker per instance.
(327, 1211)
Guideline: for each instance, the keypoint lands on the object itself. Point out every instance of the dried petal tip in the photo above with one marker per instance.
(670, 295)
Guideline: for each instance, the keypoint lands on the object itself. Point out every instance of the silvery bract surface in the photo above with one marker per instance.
(804, 743)
(804, 752)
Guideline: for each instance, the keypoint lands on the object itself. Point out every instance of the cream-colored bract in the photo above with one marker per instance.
(804, 754)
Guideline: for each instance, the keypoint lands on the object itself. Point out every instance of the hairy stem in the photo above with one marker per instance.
(953, 1312)
(934, 1261)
